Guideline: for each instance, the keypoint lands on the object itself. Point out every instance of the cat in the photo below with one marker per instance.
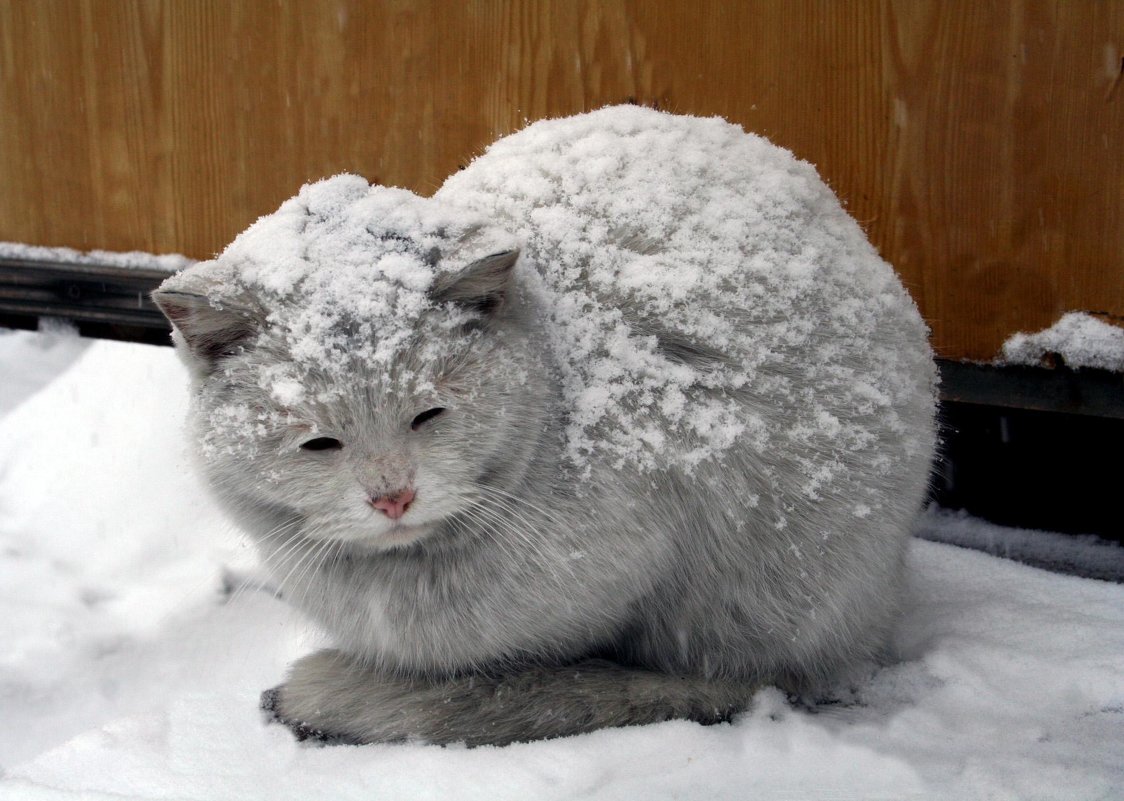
(626, 421)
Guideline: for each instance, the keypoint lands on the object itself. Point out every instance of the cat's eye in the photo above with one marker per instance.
(322, 444)
(425, 417)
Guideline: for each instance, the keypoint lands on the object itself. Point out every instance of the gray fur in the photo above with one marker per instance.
(527, 600)
(352, 702)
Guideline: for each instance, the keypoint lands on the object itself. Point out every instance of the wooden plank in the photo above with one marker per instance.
(979, 143)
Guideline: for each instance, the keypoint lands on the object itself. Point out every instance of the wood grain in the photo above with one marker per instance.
(981, 144)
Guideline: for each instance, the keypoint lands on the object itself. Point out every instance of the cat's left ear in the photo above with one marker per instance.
(482, 286)
(204, 328)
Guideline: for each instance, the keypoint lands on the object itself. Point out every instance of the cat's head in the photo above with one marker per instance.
(361, 365)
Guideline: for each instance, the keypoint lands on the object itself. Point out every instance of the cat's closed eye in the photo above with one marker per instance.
(425, 417)
(322, 444)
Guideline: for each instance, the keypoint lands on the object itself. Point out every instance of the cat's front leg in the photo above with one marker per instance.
(330, 696)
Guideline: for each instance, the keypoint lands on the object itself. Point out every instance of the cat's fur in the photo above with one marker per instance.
(536, 589)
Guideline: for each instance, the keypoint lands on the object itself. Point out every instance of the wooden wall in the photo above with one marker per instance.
(981, 144)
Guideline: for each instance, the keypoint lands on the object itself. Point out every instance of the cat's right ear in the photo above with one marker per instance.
(205, 330)
(482, 286)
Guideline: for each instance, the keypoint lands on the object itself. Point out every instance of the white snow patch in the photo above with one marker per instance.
(283, 384)
(135, 259)
(124, 675)
(40, 356)
(1079, 338)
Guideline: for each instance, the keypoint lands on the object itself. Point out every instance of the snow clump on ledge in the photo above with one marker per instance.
(1079, 338)
(134, 259)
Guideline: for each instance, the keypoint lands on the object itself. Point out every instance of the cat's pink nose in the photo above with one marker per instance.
(393, 504)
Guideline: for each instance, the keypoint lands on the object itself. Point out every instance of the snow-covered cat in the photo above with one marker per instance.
(625, 421)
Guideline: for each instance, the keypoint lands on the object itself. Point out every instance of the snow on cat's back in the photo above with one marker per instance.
(716, 242)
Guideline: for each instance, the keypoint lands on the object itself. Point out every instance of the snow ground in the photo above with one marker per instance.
(127, 672)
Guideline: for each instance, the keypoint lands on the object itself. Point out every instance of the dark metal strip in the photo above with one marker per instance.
(80, 292)
(1098, 393)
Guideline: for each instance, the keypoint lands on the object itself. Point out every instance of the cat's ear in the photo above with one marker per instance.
(482, 286)
(205, 329)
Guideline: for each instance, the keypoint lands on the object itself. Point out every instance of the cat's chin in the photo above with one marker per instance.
(397, 536)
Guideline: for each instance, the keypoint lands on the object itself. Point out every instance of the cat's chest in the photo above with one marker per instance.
(422, 613)
(476, 606)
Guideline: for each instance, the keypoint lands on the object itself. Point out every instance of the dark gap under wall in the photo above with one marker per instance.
(1032, 469)
(122, 332)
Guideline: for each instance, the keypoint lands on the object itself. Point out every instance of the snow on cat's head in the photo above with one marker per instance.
(357, 362)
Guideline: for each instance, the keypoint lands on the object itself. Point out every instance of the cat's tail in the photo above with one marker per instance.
(330, 696)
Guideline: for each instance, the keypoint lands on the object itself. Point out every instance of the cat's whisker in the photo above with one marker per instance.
(290, 556)
(310, 568)
(488, 528)
(276, 558)
(308, 557)
(548, 551)
(483, 524)
(258, 584)
(515, 499)
(497, 524)
(511, 528)
(280, 531)
(532, 534)
(482, 494)
(506, 506)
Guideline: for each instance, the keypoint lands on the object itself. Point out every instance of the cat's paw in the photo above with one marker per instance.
(315, 702)
(330, 698)
(271, 705)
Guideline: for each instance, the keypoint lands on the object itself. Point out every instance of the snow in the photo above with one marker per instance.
(126, 671)
(135, 259)
(1080, 339)
(40, 357)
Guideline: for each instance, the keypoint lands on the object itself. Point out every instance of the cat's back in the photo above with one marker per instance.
(674, 215)
(692, 271)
